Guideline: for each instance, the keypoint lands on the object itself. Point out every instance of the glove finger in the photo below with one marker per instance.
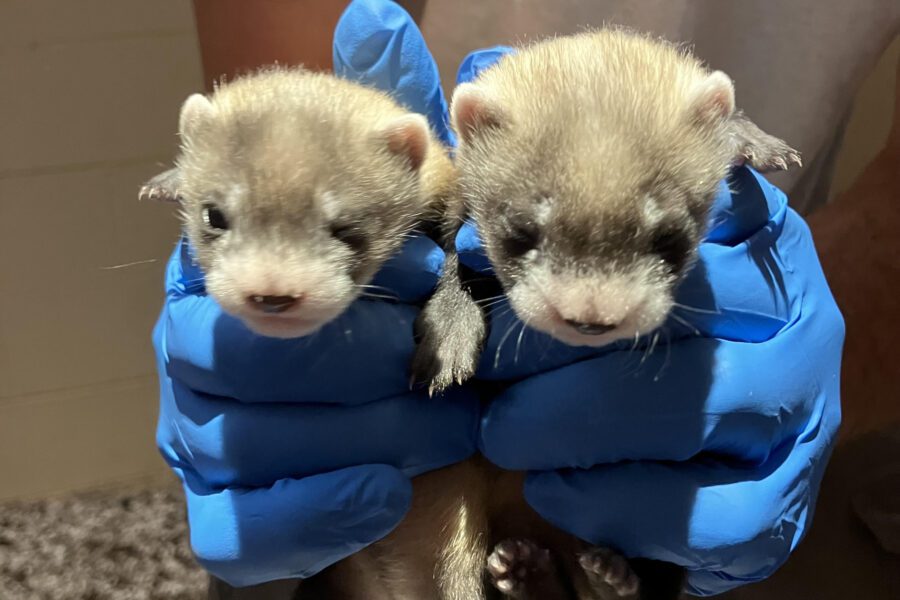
(230, 443)
(412, 274)
(479, 60)
(362, 355)
(215, 353)
(378, 44)
(731, 398)
(727, 525)
(295, 527)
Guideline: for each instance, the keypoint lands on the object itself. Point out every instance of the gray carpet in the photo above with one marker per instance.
(126, 545)
(132, 545)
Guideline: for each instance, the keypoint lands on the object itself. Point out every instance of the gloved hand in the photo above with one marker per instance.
(706, 445)
(297, 453)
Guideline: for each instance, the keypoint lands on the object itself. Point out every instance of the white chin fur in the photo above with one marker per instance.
(546, 321)
(569, 336)
(325, 294)
(638, 304)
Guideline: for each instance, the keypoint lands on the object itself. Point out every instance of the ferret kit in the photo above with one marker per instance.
(588, 163)
(295, 187)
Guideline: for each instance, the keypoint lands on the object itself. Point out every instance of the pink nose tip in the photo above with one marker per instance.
(590, 328)
(273, 304)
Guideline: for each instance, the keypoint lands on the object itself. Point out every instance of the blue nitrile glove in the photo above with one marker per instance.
(707, 452)
(377, 42)
(297, 453)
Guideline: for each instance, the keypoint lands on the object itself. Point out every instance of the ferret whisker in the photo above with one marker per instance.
(492, 304)
(668, 355)
(630, 366)
(506, 310)
(503, 341)
(129, 264)
(519, 342)
(368, 290)
(644, 354)
(697, 310)
(369, 286)
(483, 301)
(637, 337)
(650, 348)
(686, 323)
(371, 296)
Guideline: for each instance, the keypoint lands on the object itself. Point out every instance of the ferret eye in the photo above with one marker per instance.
(521, 239)
(214, 218)
(672, 246)
(349, 235)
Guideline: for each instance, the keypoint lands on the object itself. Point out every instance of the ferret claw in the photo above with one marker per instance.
(163, 187)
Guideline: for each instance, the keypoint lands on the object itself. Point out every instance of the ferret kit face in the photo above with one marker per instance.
(295, 188)
(589, 164)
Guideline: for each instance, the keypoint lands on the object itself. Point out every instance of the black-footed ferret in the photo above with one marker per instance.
(589, 164)
(295, 188)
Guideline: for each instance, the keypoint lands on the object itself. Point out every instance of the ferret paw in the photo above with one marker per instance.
(515, 564)
(773, 158)
(603, 565)
(451, 331)
(760, 150)
(156, 193)
(162, 187)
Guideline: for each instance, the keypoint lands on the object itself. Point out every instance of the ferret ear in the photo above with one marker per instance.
(712, 98)
(713, 102)
(472, 112)
(196, 110)
(757, 148)
(162, 187)
(408, 137)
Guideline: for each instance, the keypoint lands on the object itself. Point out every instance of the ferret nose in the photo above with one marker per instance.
(273, 304)
(590, 328)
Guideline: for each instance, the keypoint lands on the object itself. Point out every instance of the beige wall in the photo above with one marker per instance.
(89, 94)
(869, 124)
